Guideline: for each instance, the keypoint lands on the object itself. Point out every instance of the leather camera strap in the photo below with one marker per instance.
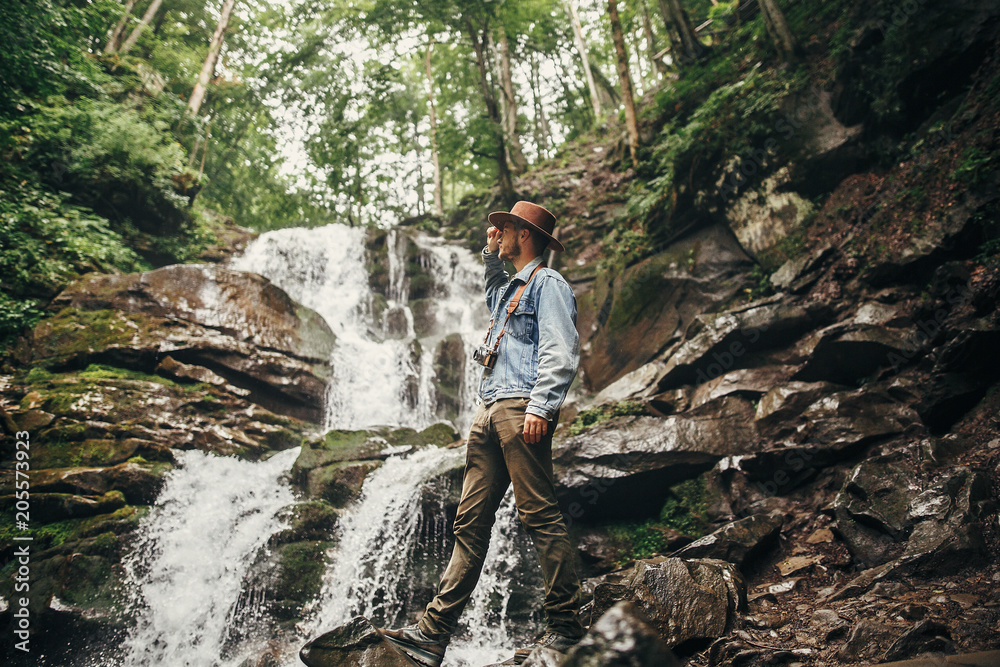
(511, 307)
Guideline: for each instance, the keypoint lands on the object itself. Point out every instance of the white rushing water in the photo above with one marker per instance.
(216, 513)
(382, 375)
(209, 522)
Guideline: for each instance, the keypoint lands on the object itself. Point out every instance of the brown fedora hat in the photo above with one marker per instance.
(533, 215)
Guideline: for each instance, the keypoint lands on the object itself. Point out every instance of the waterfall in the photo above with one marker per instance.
(209, 522)
(216, 514)
(381, 377)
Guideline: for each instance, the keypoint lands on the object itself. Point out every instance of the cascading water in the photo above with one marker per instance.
(196, 550)
(212, 517)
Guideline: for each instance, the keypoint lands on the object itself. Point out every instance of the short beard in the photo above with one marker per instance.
(510, 252)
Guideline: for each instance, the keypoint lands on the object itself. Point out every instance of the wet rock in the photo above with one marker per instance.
(798, 273)
(597, 552)
(872, 509)
(924, 637)
(764, 215)
(449, 374)
(866, 641)
(629, 386)
(171, 368)
(684, 600)
(949, 515)
(376, 444)
(48, 507)
(339, 483)
(624, 466)
(784, 402)
(717, 344)
(751, 383)
(31, 420)
(621, 637)
(235, 324)
(845, 353)
(633, 315)
(735, 542)
(357, 643)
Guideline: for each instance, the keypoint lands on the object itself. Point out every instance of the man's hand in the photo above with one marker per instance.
(534, 428)
(493, 239)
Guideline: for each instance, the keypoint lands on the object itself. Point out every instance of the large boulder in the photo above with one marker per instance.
(236, 325)
(736, 542)
(717, 344)
(625, 466)
(848, 352)
(929, 524)
(627, 319)
(357, 643)
(684, 600)
(334, 466)
(621, 637)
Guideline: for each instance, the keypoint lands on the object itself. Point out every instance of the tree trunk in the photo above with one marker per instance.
(504, 180)
(647, 29)
(509, 107)
(435, 157)
(677, 19)
(631, 125)
(208, 67)
(133, 37)
(115, 36)
(777, 27)
(543, 132)
(581, 46)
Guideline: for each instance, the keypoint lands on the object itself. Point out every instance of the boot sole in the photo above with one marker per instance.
(416, 653)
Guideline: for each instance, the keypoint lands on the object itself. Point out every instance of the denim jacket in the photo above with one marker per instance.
(540, 350)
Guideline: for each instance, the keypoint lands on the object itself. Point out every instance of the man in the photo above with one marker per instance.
(535, 354)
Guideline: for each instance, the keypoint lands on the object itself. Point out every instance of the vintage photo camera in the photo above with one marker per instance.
(485, 356)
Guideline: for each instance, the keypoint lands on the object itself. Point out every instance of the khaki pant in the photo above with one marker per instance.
(498, 456)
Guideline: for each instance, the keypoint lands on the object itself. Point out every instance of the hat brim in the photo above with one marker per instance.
(498, 218)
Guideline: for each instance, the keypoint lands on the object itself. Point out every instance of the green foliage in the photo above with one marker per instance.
(684, 512)
(594, 416)
(685, 509)
(45, 242)
(973, 167)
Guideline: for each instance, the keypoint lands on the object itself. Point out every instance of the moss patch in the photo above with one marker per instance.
(594, 416)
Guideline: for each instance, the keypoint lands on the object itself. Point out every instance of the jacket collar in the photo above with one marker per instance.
(525, 273)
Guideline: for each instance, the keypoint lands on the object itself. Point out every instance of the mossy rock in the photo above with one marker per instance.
(339, 483)
(311, 520)
(439, 435)
(340, 446)
(49, 507)
(302, 567)
(64, 453)
(76, 332)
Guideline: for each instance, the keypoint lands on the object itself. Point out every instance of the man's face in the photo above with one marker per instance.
(510, 245)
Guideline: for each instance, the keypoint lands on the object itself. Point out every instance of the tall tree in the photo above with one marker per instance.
(631, 124)
(208, 67)
(115, 36)
(677, 21)
(777, 27)
(515, 152)
(479, 35)
(432, 111)
(581, 46)
(647, 29)
(147, 17)
(543, 132)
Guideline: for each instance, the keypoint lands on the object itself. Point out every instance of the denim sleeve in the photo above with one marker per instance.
(496, 277)
(558, 347)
